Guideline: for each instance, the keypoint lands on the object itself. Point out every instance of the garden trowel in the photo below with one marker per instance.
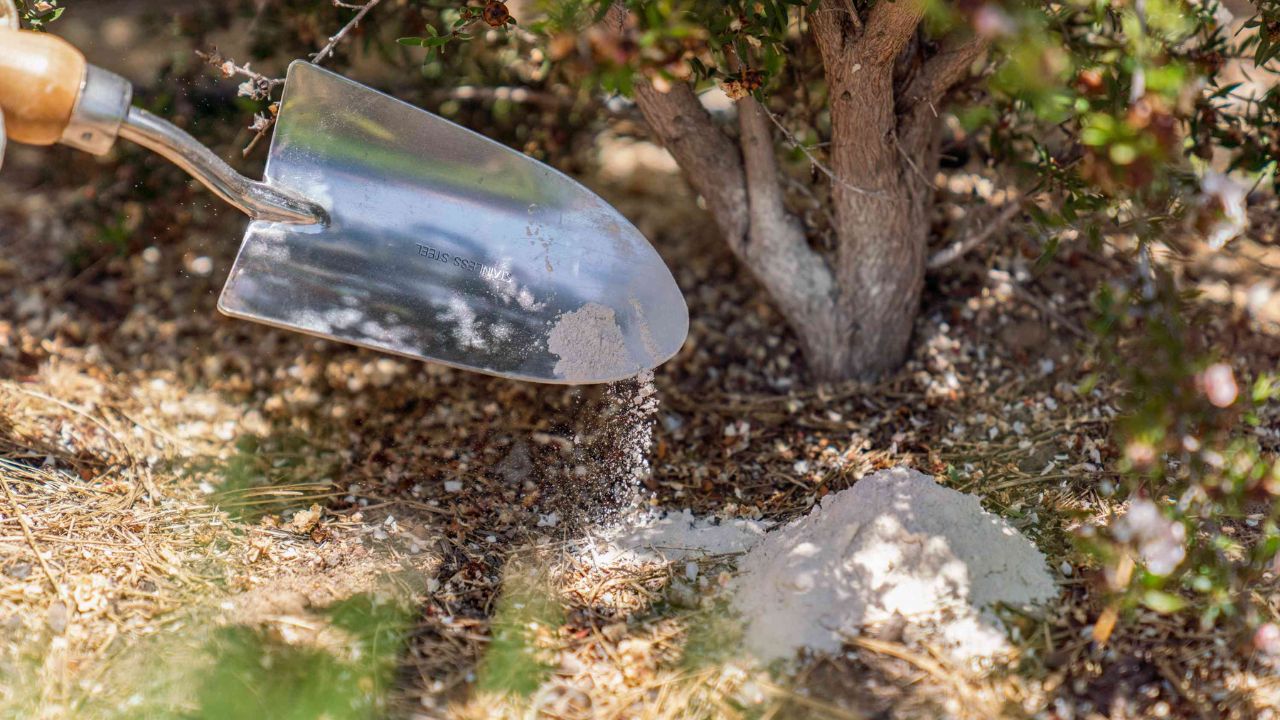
(384, 226)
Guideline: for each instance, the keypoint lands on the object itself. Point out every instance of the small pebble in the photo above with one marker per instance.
(58, 617)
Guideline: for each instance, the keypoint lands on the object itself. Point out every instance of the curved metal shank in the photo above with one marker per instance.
(257, 200)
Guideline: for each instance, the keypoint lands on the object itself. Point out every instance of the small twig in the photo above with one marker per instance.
(262, 131)
(960, 248)
(795, 142)
(906, 158)
(927, 664)
(31, 541)
(825, 708)
(1185, 690)
(82, 413)
(804, 189)
(1045, 309)
(230, 69)
(260, 87)
(327, 50)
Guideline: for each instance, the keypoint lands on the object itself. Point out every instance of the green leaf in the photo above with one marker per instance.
(1263, 389)
(1163, 602)
(1087, 385)
(431, 42)
(1050, 250)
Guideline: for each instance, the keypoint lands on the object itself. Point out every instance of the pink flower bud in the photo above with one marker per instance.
(1220, 385)
(1266, 639)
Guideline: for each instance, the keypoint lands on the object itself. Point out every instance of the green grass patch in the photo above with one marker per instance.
(255, 675)
(514, 663)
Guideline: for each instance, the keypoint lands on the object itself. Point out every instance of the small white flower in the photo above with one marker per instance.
(260, 122)
(1223, 208)
(990, 22)
(1161, 542)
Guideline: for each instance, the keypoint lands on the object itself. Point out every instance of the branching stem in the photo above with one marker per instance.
(337, 37)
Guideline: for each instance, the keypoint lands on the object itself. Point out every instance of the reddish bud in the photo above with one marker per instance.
(1090, 82)
(495, 13)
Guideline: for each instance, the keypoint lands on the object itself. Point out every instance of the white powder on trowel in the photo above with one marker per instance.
(894, 546)
(589, 344)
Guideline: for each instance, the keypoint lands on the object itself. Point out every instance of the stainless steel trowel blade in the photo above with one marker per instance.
(446, 246)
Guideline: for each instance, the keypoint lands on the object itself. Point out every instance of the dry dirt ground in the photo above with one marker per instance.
(202, 517)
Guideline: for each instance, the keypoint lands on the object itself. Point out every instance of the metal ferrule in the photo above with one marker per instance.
(101, 107)
(258, 200)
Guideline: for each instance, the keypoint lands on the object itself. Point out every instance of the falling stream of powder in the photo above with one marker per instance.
(637, 401)
(896, 547)
(608, 459)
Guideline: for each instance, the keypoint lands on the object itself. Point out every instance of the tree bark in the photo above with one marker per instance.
(741, 186)
(882, 231)
(853, 313)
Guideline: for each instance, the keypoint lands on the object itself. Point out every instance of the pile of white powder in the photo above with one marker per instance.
(896, 550)
(894, 547)
(676, 536)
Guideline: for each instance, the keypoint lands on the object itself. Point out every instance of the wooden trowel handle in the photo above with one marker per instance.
(49, 94)
(40, 80)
